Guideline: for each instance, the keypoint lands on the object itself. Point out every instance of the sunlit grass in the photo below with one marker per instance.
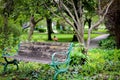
(42, 37)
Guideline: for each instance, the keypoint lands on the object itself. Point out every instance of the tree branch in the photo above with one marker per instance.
(76, 14)
(39, 20)
(68, 12)
(98, 23)
(50, 10)
(102, 18)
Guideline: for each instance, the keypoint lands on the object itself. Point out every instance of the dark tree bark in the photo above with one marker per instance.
(89, 21)
(49, 27)
(112, 21)
(74, 36)
(77, 8)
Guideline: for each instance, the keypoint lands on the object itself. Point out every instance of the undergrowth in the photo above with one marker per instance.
(100, 65)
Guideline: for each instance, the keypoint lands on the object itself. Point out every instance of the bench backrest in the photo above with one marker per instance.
(10, 51)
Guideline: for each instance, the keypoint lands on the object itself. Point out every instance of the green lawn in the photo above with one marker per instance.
(62, 37)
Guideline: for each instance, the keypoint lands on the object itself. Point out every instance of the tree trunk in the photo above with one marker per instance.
(5, 29)
(113, 22)
(74, 38)
(49, 27)
(117, 36)
(7, 10)
(77, 8)
(32, 25)
(31, 32)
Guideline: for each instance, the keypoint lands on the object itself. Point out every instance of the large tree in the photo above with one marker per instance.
(6, 9)
(112, 21)
(40, 7)
(32, 8)
(33, 11)
(9, 30)
(49, 16)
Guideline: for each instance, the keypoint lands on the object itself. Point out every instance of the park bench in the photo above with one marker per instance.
(55, 54)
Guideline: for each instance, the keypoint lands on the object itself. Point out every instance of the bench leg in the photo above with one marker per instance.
(55, 75)
(15, 62)
(5, 67)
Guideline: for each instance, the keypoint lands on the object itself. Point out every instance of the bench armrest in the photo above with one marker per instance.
(57, 63)
(59, 57)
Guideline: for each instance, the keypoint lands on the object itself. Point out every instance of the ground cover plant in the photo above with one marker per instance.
(100, 64)
(108, 43)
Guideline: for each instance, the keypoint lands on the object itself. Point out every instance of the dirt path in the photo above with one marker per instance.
(94, 41)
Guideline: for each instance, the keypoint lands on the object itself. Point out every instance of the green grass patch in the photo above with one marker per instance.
(42, 37)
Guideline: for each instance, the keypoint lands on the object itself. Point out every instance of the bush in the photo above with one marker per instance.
(10, 37)
(40, 29)
(77, 57)
(108, 43)
(104, 62)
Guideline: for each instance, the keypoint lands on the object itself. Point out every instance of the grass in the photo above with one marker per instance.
(62, 37)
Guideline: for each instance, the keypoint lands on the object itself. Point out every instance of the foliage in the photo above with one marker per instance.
(101, 64)
(108, 43)
(66, 32)
(40, 29)
(77, 56)
(13, 33)
(89, 6)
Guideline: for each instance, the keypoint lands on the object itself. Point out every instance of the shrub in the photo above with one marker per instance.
(77, 57)
(108, 43)
(10, 37)
(40, 29)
